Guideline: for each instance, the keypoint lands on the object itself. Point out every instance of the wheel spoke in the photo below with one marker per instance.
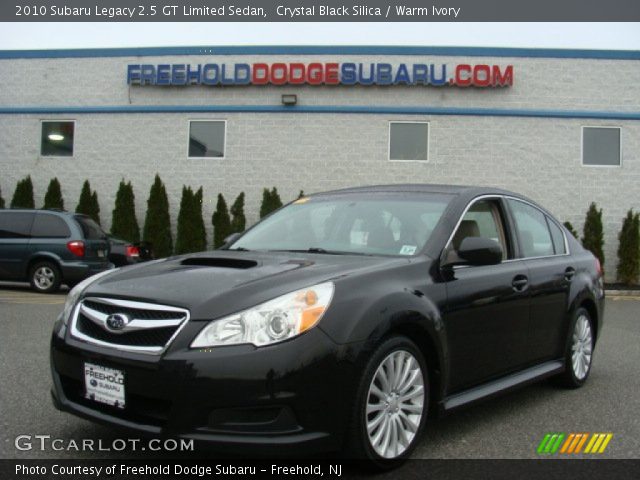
(416, 392)
(371, 426)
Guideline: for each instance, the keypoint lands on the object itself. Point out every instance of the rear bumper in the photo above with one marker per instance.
(78, 271)
(290, 399)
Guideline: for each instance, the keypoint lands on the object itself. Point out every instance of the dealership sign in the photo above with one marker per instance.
(460, 75)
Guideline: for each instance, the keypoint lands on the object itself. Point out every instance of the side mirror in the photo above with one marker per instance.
(480, 251)
(230, 239)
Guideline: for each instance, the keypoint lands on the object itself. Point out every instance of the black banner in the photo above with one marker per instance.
(325, 469)
(312, 11)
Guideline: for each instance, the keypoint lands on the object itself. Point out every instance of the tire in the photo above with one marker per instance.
(45, 277)
(578, 350)
(367, 438)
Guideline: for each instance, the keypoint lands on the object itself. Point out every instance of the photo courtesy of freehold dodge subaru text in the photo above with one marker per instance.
(339, 323)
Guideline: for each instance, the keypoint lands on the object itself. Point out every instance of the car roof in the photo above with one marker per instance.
(55, 211)
(421, 188)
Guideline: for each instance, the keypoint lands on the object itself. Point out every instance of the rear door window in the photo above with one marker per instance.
(533, 231)
(49, 226)
(90, 229)
(558, 238)
(15, 224)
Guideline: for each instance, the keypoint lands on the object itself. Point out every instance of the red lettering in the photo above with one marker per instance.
(314, 74)
(501, 79)
(296, 73)
(463, 75)
(331, 74)
(279, 73)
(481, 75)
(260, 74)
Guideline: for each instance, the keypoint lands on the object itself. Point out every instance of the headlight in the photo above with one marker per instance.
(74, 294)
(271, 322)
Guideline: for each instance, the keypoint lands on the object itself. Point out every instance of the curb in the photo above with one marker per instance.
(622, 293)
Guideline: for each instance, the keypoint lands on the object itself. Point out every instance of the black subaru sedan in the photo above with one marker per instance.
(341, 322)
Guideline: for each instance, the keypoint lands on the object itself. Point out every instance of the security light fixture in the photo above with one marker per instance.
(55, 137)
(289, 99)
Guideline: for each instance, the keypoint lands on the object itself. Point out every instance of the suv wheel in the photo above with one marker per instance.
(45, 277)
(579, 350)
(391, 405)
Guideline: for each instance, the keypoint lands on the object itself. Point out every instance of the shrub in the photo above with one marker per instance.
(238, 220)
(23, 196)
(88, 202)
(53, 197)
(191, 236)
(270, 201)
(157, 223)
(593, 237)
(221, 222)
(123, 220)
(1, 200)
(629, 249)
(572, 230)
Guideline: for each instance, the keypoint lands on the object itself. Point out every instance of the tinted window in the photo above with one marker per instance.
(376, 224)
(408, 141)
(206, 139)
(90, 229)
(483, 219)
(57, 139)
(533, 232)
(600, 146)
(49, 226)
(557, 237)
(15, 224)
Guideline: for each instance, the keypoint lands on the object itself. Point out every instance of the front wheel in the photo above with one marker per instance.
(391, 405)
(579, 350)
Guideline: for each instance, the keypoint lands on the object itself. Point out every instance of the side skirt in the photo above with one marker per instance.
(495, 387)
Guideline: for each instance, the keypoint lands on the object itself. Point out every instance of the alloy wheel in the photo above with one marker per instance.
(582, 347)
(44, 277)
(395, 404)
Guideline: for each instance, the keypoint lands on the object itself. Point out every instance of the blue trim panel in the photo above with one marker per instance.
(325, 50)
(486, 112)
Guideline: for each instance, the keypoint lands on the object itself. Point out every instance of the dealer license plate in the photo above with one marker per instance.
(104, 385)
(101, 253)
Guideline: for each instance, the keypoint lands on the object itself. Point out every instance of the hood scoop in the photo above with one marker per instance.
(234, 263)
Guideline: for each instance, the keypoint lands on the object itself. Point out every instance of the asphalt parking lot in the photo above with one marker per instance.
(511, 426)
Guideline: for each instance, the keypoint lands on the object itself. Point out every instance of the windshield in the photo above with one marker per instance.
(380, 224)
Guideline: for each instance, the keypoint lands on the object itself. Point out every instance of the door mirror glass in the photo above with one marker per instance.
(480, 251)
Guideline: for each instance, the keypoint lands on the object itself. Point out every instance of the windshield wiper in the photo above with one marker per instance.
(322, 251)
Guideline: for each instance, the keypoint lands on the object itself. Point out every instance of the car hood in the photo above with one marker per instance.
(212, 284)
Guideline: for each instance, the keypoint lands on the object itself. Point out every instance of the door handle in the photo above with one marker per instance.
(520, 283)
(569, 273)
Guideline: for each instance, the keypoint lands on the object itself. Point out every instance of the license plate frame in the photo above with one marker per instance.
(104, 385)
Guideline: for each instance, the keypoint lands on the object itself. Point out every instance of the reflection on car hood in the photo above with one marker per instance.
(221, 282)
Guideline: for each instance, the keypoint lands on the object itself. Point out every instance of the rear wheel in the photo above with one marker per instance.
(45, 277)
(391, 405)
(579, 350)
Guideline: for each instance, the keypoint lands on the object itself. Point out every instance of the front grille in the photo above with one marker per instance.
(147, 328)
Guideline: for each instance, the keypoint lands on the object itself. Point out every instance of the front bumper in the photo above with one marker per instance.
(297, 394)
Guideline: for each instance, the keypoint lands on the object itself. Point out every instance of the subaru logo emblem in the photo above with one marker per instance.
(117, 321)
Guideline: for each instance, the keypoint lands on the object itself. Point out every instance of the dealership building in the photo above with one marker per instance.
(560, 126)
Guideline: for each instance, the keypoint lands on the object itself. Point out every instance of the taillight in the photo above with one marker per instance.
(132, 251)
(599, 267)
(76, 247)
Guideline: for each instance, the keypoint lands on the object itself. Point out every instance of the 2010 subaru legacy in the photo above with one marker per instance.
(339, 322)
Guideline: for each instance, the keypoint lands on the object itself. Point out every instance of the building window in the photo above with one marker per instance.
(409, 141)
(57, 139)
(207, 138)
(601, 146)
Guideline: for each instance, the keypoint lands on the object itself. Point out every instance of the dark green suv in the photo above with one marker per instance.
(48, 248)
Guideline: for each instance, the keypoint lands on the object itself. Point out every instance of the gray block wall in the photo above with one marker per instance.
(539, 157)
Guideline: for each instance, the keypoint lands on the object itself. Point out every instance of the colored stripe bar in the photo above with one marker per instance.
(543, 443)
(356, 109)
(325, 50)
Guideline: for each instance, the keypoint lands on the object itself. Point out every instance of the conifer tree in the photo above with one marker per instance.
(221, 222)
(1, 200)
(593, 237)
(123, 221)
(238, 220)
(157, 223)
(23, 196)
(572, 230)
(53, 197)
(629, 249)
